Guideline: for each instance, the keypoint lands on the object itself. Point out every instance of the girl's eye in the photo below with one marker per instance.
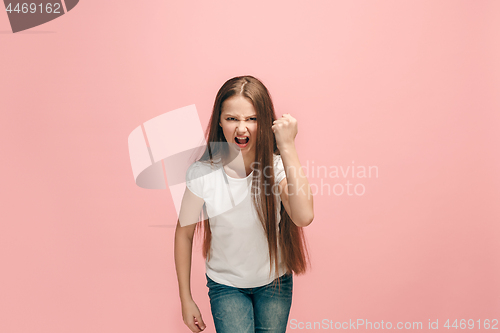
(231, 118)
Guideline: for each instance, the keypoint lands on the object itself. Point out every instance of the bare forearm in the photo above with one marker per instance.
(299, 191)
(183, 248)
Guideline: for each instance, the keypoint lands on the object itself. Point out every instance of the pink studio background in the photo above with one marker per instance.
(409, 87)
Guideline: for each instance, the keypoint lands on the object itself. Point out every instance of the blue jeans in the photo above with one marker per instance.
(249, 310)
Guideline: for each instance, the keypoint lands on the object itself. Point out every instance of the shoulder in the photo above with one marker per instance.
(199, 169)
(277, 161)
(200, 178)
(279, 169)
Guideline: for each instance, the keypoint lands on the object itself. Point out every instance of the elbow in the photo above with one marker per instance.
(309, 220)
(304, 221)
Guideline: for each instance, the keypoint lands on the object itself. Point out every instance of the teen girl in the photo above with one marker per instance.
(254, 199)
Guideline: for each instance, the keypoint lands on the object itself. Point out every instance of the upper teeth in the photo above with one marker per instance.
(244, 137)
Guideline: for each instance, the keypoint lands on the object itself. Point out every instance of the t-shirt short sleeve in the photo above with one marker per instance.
(279, 169)
(194, 179)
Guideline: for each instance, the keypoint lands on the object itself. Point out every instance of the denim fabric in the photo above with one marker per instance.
(249, 310)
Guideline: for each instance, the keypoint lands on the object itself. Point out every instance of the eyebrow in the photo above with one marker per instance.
(230, 115)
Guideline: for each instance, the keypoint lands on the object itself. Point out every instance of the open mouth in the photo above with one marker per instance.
(242, 140)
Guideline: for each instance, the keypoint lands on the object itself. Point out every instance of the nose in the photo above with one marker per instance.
(241, 128)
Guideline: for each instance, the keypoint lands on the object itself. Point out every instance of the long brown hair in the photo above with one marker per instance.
(291, 238)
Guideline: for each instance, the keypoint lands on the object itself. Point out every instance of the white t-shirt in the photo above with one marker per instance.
(239, 249)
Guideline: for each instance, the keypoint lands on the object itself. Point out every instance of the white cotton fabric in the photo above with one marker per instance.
(239, 249)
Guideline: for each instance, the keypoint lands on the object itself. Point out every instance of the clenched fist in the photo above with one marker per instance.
(285, 130)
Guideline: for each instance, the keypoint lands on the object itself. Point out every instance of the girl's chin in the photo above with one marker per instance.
(237, 148)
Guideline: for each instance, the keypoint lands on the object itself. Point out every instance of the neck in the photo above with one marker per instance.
(240, 163)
